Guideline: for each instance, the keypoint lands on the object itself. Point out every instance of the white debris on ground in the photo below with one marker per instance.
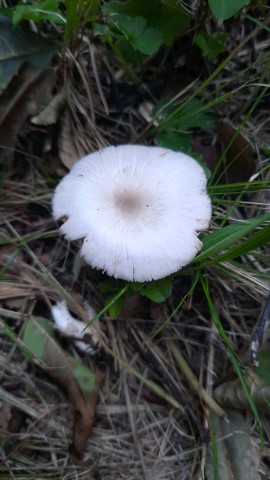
(85, 338)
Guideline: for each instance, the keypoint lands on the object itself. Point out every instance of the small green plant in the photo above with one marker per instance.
(144, 26)
(176, 120)
(46, 10)
(70, 13)
(211, 45)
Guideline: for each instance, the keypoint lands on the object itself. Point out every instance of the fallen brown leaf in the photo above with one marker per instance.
(78, 381)
(66, 144)
(239, 163)
(28, 93)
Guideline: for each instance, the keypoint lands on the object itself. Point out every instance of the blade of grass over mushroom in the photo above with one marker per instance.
(235, 361)
(225, 237)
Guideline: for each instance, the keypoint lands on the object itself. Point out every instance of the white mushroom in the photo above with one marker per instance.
(85, 338)
(139, 210)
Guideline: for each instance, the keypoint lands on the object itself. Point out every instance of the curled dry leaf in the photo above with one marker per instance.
(51, 112)
(66, 142)
(29, 92)
(231, 393)
(239, 163)
(79, 382)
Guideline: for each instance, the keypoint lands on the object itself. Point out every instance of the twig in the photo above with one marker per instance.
(212, 404)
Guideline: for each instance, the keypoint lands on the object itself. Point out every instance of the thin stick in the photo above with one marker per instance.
(212, 404)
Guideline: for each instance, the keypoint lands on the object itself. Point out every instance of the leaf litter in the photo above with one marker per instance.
(81, 384)
(136, 433)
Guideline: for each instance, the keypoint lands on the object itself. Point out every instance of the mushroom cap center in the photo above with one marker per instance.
(128, 202)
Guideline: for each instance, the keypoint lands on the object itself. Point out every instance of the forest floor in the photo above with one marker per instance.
(151, 420)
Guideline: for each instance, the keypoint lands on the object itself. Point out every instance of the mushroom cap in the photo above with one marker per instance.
(139, 210)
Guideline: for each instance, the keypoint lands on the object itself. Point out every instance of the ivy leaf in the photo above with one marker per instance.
(168, 18)
(224, 9)
(146, 40)
(157, 291)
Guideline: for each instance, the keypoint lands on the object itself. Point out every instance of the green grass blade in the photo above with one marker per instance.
(227, 236)
(259, 239)
(234, 359)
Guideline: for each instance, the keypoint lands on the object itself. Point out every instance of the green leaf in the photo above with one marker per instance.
(191, 115)
(39, 337)
(257, 240)
(46, 10)
(179, 142)
(116, 307)
(146, 40)
(168, 18)
(131, 27)
(110, 285)
(225, 237)
(171, 20)
(224, 9)
(211, 45)
(114, 8)
(128, 52)
(157, 291)
(85, 378)
(19, 45)
(263, 370)
(33, 338)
